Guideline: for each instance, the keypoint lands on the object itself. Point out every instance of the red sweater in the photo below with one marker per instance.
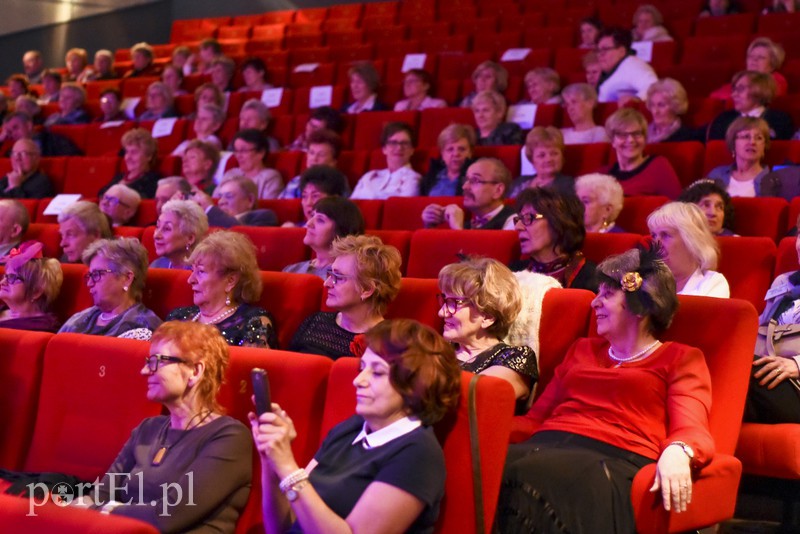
(641, 407)
(653, 177)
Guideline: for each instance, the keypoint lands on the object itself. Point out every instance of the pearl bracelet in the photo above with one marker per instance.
(292, 479)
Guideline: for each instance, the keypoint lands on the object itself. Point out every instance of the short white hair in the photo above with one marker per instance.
(606, 188)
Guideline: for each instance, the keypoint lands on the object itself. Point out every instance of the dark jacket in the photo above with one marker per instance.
(780, 124)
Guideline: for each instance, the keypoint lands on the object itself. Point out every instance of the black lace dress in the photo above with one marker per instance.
(243, 328)
(319, 334)
(519, 359)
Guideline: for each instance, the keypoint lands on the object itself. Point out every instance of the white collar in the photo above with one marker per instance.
(492, 214)
(399, 428)
(368, 104)
(755, 112)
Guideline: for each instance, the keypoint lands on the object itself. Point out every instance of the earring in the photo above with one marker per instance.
(125, 289)
(227, 299)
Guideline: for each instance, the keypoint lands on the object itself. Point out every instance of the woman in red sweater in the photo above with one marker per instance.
(613, 406)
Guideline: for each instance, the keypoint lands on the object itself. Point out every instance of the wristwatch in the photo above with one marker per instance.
(686, 448)
(293, 493)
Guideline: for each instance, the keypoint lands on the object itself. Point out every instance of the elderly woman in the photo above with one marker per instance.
(208, 121)
(772, 397)
(185, 369)
(110, 106)
(208, 93)
(579, 101)
(544, 149)
(409, 380)
(71, 99)
(446, 174)
(251, 149)
(254, 74)
(255, 115)
(748, 176)
(479, 301)
(101, 69)
(763, 55)
(364, 277)
(648, 25)
(116, 276)
(488, 76)
(575, 473)
(28, 288)
(489, 108)
(180, 227)
(140, 154)
(551, 235)
(76, 60)
(714, 202)
(160, 103)
(222, 70)
(398, 179)
(592, 68)
(638, 173)
(172, 77)
(142, 57)
(364, 81)
(689, 249)
(119, 203)
(18, 85)
(332, 218)
(602, 198)
(225, 285)
(199, 163)
(81, 224)
(667, 101)
(542, 86)
(416, 88)
(752, 93)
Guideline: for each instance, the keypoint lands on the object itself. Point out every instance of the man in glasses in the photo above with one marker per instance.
(485, 186)
(625, 77)
(25, 180)
(120, 203)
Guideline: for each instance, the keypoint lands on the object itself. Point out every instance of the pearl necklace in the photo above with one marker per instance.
(217, 318)
(106, 317)
(635, 357)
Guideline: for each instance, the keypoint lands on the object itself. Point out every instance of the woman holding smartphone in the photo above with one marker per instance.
(360, 479)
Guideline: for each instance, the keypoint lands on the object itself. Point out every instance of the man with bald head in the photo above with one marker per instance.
(14, 220)
(25, 180)
(33, 66)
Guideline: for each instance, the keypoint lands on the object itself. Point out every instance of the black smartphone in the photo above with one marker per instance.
(261, 390)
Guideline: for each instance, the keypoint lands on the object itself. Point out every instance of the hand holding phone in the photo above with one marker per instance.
(261, 390)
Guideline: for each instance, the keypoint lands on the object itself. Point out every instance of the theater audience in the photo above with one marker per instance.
(446, 174)
(589, 31)
(208, 121)
(198, 165)
(689, 249)
(602, 199)
(140, 154)
(143, 65)
(398, 179)
(254, 74)
(180, 227)
(714, 202)
(324, 147)
(551, 236)
(638, 173)
(14, 221)
(110, 101)
(119, 203)
(364, 81)
(317, 182)
(101, 69)
(255, 115)
(485, 186)
(17, 85)
(321, 118)
(71, 99)
(171, 188)
(33, 66)
(763, 55)
(51, 85)
(183, 59)
(160, 103)
(172, 77)
(748, 140)
(186, 366)
(361, 479)
(752, 93)
(226, 286)
(222, 70)
(208, 51)
(208, 93)
(19, 125)
(592, 68)
(667, 102)
(28, 288)
(648, 25)
(416, 90)
(586, 447)
(624, 76)
(488, 76)
(542, 86)
(363, 279)
(25, 179)
(76, 61)
(116, 276)
(238, 198)
(251, 150)
(544, 150)
(81, 224)
(489, 108)
(579, 101)
(479, 300)
(332, 217)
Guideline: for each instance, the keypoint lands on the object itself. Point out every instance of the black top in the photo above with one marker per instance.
(145, 185)
(37, 185)
(495, 223)
(684, 133)
(506, 133)
(519, 359)
(780, 124)
(575, 272)
(562, 183)
(319, 334)
(244, 328)
(377, 106)
(413, 463)
(437, 166)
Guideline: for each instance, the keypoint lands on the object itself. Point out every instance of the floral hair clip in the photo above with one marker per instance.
(25, 252)
(631, 281)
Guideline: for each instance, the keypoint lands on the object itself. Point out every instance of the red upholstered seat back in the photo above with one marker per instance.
(433, 249)
(48, 235)
(405, 213)
(760, 216)
(748, 264)
(74, 295)
(92, 396)
(787, 256)
(399, 239)
(633, 217)
(417, 300)
(598, 247)
(276, 247)
(167, 289)
(495, 406)
(290, 298)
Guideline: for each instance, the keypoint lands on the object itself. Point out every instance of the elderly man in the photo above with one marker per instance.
(70, 101)
(120, 203)
(14, 220)
(33, 66)
(625, 77)
(25, 180)
(199, 163)
(255, 115)
(170, 188)
(19, 125)
(485, 186)
(237, 202)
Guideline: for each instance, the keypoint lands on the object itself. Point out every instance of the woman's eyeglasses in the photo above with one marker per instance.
(527, 218)
(153, 361)
(96, 275)
(11, 279)
(336, 278)
(451, 304)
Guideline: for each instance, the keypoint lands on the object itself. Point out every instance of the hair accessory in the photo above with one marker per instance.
(631, 281)
(23, 253)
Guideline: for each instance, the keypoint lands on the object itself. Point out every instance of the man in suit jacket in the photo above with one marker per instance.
(237, 202)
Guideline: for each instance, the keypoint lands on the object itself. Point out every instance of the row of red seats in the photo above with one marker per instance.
(41, 371)
(39, 363)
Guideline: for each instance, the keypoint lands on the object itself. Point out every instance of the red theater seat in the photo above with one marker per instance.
(372, 211)
(494, 407)
(276, 247)
(633, 217)
(760, 216)
(433, 121)
(509, 155)
(106, 141)
(405, 213)
(598, 247)
(75, 133)
(787, 256)
(399, 239)
(167, 289)
(433, 249)
(290, 298)
(583, 159)
(48, 235)
(417, 300)
(74, 296)
(86, 176)
(704, 50)
(286, 209)
(686, 158)
(748, 264)
(740, 24)
(369, 126)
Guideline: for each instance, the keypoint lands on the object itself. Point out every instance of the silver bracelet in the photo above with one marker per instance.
(291, 479)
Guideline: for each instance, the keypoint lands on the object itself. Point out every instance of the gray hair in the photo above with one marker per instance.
(88, 216)
(259, 107)
(606, 188)
(584, 90)
(192, 219)
(124, 253)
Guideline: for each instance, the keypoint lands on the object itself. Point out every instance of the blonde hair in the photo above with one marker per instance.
(500, 74)
(141, 138)
(776, 52)
(625, 117)
(456, 132)
(192, 219)
(232, 252)
(124, 253)
(690, 223)
(377, 266)
(675, 93)
(41, 275)
(495, 99)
